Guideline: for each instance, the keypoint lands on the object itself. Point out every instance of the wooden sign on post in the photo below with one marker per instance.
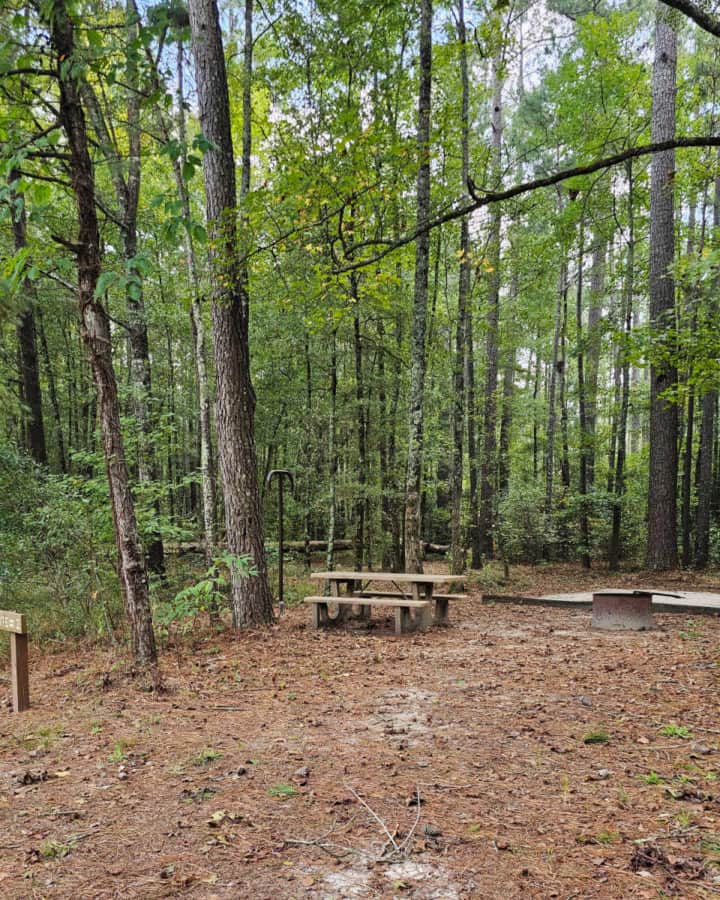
(15, 623)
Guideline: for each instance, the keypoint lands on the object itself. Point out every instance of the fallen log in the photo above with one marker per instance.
(182, 547)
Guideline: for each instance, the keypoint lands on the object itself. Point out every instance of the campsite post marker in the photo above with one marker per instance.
(16, 624)
(280, 473)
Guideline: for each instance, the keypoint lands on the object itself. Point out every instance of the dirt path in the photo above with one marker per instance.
(249, 778)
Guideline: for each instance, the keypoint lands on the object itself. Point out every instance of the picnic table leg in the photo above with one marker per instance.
(342, 613)
(442, 607)
(321, 617)
(403, 620)
(425, 615)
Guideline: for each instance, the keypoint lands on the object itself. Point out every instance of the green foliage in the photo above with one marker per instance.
(524, 533)
(207, 756)
(681, 731)
(282, 790)
(596, 736)
(209, 594)
(51, 849)
(58, 550)
(652, 778)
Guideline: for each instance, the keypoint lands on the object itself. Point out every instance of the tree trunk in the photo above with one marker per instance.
(207, 466)
(33, 431)
(686, 508)
(126, 179)
(472, 424)
(52, 391)
(95, 331)
(662, 491)
(235, 401)
(488, 467)
(332, 456)
(707, 437)
(457, 553)
(582, 410)
(506, 425)
(592, 353)
(413, 547)
(361, 430)
(552, 392)
(621, 440)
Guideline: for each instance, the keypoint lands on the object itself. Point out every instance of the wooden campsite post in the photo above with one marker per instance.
(15, 623)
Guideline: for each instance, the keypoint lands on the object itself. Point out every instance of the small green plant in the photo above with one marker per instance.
(207, 756)
(652, 778)
(282, 790)
(607, 837)
(684, 818)
(96, 728)
(42, 739)
(692, 632)
(119, 751)
(623, 797)
(596, 736)
(681, 731)
(55, 849)
(207, 594)
(198, 796)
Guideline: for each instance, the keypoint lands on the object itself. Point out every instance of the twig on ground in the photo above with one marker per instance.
(405, 846)
(328, 847)
(376, 817)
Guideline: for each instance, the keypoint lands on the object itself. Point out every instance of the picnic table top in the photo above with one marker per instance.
(397, 577)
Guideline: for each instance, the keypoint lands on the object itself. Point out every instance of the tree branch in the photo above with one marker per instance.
(707, 22)
(28, 70)
(526, 187)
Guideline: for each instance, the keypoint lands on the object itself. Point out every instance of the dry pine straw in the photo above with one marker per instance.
(172, 795)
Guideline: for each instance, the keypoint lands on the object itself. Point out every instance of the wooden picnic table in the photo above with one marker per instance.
(412, 598)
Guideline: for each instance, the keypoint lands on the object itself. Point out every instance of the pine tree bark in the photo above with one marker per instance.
(332, 456)
(582, 409)
(592, 353)
(555, 372)
(705, 481)
(413, 479)
(663, 472)
(361, 431)
(472, 430)
(686, 490)
(235, 399)
(506, 425)
(457, 553)
(488, 468)
(621, 439)
(52, 391)
(95, 331)
(34, 432)
(207, 465)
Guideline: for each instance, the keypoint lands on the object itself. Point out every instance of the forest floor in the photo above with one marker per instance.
(515, 753)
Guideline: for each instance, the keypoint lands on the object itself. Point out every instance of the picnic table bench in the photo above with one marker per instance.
(412, 599)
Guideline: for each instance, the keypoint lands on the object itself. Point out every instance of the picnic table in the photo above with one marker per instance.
(413, 597)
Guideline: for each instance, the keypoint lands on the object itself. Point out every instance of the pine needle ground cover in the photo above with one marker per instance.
(463, 762)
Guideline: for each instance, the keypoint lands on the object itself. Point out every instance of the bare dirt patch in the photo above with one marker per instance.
(548, 761)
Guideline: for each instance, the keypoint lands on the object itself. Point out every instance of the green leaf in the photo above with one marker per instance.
(104, 283)
(282, 790)
(199, 233)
